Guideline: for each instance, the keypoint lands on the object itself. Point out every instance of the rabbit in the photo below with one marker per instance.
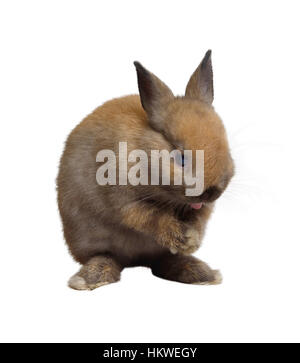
(110, 227)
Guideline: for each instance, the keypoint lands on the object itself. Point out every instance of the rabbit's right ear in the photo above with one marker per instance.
(154, 94)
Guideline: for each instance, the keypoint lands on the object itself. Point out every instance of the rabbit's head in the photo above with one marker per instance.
(190, 123)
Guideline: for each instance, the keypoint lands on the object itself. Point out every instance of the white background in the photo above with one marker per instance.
(61, 59)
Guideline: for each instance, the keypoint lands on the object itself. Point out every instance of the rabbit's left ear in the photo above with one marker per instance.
(200, 85)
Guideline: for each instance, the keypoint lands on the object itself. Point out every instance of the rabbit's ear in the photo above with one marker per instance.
(200, 85)
(153, 92)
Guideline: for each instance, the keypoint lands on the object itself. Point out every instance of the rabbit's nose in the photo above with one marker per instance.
(210, 194)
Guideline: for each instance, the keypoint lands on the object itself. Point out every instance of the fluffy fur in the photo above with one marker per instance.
(108, 228)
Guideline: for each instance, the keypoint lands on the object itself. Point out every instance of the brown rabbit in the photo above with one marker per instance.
(110, 227)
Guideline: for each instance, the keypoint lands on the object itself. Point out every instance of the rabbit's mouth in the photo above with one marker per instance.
(196, 205)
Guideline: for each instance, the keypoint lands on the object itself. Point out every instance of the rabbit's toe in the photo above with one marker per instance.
(193, 240)
(215, 279)
(77, 282)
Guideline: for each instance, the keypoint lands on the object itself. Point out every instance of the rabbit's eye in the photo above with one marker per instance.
(180, 160)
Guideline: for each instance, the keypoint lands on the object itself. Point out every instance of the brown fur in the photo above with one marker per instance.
(112, 227)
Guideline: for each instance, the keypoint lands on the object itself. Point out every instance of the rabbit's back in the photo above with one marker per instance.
(121, 119)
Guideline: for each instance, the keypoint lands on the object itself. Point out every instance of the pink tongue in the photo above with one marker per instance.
(196, 205)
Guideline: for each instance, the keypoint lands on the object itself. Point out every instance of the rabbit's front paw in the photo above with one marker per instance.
(172, 237)
(185, 241)
(178, 237)
(189, 244)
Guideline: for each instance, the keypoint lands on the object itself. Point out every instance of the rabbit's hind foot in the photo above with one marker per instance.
(186, 269)
(98, 271)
